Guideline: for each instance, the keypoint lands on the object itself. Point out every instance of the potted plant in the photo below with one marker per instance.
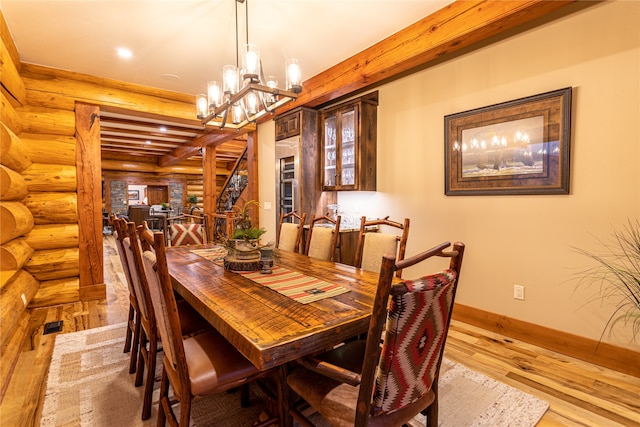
(246, 238)
(617, 275)
(192, 199)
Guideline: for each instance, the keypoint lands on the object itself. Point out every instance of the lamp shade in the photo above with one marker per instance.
(214, 92)
(230, 79)
(294, 75)
(251, 62)
(202, 106)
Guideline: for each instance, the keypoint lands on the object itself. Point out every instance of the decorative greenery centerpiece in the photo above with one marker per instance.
(617, 273)
(192, 199)
(244, 243)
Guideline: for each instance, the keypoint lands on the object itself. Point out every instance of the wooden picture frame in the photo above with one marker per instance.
(516, 147)
(133, 195)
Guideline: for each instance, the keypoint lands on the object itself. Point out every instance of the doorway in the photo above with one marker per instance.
(157, 194)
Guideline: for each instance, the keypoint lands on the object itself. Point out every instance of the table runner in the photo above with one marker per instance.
(303, 289)
(215, 254)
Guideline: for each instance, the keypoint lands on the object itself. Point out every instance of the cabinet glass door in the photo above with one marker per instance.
(330, 171)
(348, 148)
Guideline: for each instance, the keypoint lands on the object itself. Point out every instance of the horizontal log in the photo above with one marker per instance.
(48, 177)
(6, 276)
(195, 187)
(11, 349)
(47, 120)
(14, 254)
(112, 165)
(14, 298)
(60, 89)
(8, 114)
(12, 184)
(15, 154)
(53, 236)
(11, 80)
(54, 264)
(54, 292)
(15, 220)
(50, 149)
(52, 208)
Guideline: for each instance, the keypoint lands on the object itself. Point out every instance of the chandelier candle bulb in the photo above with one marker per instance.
(215, 94)
(202, 106)
(294, 76)
(230, 79)
(251, 62)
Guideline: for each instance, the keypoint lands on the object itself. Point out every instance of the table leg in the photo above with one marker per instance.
(284, 397)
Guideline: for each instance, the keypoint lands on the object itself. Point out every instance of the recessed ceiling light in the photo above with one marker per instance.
(148, 142)
(124, 53)
(163, 129)
(170, 77)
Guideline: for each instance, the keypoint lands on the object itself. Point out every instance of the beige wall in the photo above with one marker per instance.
(524, 240)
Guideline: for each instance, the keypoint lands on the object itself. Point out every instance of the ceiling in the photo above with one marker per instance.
(180, 45)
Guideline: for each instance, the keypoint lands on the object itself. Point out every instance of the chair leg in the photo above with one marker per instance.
(164, 405)
(135, 343)
(127, 339)
(142, 358)
(151, 376)
(245, 399)
(185, 410)
(432, 414)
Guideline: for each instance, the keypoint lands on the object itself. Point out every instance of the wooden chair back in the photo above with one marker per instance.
(289, 232)
(120, 228)
(322, 240)
(164, 304)
(222, 225)
(372, 245)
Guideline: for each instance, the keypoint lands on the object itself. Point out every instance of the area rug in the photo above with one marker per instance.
(89, 385)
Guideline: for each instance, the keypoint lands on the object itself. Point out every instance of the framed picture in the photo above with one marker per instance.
(516, 147)
(133, 194)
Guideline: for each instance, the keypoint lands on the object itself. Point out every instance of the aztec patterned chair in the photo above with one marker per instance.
(322, 238)
(362, 383)
(371, 246)
(199, 365)
(290, 233)
(188, 230)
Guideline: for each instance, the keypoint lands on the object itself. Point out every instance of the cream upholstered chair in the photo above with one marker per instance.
(363, 383)
(290, 233)
(198, 365)
(371, 245)
(322, 238)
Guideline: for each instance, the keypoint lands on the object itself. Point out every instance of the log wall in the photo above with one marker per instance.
(46, 199)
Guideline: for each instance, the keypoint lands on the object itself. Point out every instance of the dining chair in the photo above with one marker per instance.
(322, 238)
(187, 229)
(289, 232)
(363, 383)
(147, 346)
(222, 224)
(132, 336)
(194, 366)
(372, 245)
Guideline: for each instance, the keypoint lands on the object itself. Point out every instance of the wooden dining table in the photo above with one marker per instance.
(267, 327)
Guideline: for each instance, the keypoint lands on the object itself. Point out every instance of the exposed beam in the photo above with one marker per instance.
(456, 26)
(192, 147)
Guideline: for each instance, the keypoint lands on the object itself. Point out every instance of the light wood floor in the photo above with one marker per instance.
(580, 394)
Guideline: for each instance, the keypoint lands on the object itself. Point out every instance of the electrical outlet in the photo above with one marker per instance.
(267, 206)
(518, 292)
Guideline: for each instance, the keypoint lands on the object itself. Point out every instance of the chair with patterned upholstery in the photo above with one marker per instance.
(289, 232)
(199, 365)
(322, 238)
(363, 383)
(372, 245)
(188, 229)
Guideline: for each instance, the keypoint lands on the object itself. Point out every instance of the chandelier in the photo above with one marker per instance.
(245, 95)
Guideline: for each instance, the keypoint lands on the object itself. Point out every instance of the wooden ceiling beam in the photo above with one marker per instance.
(193, 146)
(448, 30)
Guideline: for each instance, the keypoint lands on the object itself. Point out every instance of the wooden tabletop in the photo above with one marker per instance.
(271, 329)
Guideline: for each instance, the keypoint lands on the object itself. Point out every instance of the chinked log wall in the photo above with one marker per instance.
(40, 233)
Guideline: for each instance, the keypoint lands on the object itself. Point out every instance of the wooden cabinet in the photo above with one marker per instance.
(349, 139)
(288, 125)
(298, 166)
